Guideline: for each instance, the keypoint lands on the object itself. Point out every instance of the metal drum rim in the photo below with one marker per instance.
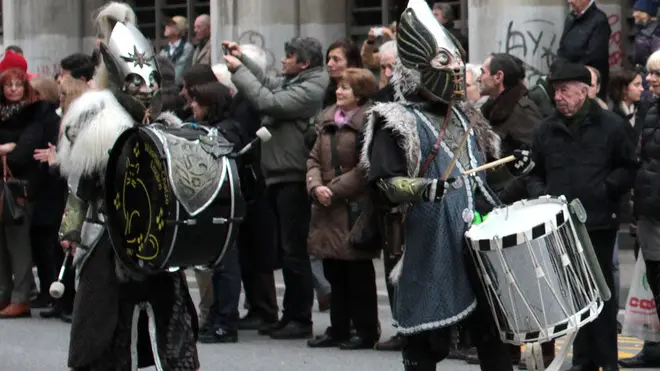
(544, 228)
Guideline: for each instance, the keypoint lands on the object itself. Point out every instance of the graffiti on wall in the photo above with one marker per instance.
(534, 41)
(617, 52)
(256, 38)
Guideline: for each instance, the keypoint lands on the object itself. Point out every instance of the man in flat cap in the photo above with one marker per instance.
(580, 153)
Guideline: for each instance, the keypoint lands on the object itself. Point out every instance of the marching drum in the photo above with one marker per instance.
(172, 198)
(532, 263)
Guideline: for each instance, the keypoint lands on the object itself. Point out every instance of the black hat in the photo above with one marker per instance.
(565, 72)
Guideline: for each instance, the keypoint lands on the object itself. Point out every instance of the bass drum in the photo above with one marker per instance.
(172, 197)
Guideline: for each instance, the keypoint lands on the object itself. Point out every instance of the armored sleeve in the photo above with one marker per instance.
(73, 218)
(82, 190)
(388, 173)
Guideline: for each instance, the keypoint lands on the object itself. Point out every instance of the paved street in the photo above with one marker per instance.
(39, 345)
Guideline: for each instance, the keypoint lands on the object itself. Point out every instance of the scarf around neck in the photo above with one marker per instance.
(10, 109)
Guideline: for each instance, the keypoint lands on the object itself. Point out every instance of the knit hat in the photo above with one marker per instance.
(649, 7)
(566, 72)
(13, 60)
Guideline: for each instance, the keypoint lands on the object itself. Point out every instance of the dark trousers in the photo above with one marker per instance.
(354, 298)
(226, 291)
(258, 259)
(260, 294)
(292, 209)
(425, 349)
(596, 342)
(48, 257)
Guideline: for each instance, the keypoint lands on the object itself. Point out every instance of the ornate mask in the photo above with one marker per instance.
(131, 63)
(426, 46)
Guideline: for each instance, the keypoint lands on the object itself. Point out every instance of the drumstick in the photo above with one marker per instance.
(491, 165)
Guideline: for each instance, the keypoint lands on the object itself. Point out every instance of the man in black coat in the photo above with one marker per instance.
(586, 39)
(579, 153)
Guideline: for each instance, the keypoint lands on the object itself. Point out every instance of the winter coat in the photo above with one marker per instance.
(647, 186)
(543, 95)
(647, 41)
(593, 162)
(181, 58)
(515, 118)
(331, 227)
(586, 40)
(202, 53)
(289, 106)
(26, 129)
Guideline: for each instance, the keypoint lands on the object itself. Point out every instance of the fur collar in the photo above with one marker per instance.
(500, 108)
(90, 128)
(398, 119)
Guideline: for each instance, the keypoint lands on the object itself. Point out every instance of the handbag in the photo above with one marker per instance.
(641, 318)
(13, 196)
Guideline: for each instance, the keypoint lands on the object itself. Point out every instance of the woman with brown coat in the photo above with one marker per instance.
(338, 188)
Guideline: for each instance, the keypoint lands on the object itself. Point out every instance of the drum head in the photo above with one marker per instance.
(524, 219)
(139, 201)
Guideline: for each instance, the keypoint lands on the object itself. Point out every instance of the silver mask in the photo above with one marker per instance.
(131, 63)
(426, 46)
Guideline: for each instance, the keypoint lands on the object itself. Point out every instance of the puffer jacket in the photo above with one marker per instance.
(647, 184)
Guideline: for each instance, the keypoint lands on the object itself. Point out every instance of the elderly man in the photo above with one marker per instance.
(388, 55)
(178, 50)
(202, 30)
(586, 38)
(288, 105)
(579, 153)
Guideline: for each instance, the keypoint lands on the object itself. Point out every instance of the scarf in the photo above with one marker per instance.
(342, 117)
(629, 111)
(10, 109)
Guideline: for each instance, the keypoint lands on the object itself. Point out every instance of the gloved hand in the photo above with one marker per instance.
(523, 163)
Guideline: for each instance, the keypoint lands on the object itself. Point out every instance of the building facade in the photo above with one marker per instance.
(48, 30)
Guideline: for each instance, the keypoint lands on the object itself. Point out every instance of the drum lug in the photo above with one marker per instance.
(225, 220)
(190, 222)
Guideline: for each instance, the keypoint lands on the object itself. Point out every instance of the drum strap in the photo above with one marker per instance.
(436, 146)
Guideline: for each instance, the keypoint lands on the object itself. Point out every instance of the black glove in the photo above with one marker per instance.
(434, 190)
(523, 163)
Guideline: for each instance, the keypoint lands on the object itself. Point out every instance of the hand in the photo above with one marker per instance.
(323, 195)
(46, 154)
(523, 163)
(234, 48)
(387, 34)
(232, 62)
(7, 148)
(69, 245)
(372, 34)
(436, 189)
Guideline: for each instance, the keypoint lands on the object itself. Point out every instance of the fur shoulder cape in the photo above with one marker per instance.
(90, 128)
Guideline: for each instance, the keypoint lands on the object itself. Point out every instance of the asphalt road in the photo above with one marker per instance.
(35, 344)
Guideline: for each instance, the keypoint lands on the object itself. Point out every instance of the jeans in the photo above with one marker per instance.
(227, 291)
(292, 209)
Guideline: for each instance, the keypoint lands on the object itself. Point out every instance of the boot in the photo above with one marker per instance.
(16, 311)
(395, 343)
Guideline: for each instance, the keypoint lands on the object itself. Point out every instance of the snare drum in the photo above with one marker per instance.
(170, 201)
(532, 265)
